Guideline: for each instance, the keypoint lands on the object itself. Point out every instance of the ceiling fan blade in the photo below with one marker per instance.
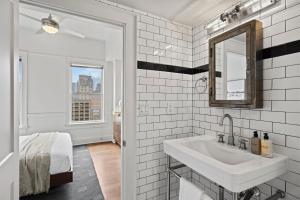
(73, 33)
(30, 17)
(62, 21)
(40, 31)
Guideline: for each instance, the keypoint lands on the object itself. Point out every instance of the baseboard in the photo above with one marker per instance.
(82, 141)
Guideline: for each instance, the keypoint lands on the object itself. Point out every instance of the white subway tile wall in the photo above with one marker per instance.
(280, 115)
(169, 107)
(164, 111)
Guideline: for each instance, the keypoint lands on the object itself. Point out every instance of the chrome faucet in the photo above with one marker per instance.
(231, 136)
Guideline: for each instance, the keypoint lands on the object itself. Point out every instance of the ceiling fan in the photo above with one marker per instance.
(52, 26)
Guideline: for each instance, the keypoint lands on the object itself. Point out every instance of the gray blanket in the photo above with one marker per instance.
(35, 163)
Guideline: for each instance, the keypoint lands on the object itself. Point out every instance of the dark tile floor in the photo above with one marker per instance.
(85, 185)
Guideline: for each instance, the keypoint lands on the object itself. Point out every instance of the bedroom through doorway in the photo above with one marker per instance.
(70, 86)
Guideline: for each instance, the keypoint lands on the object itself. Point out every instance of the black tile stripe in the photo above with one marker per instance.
(205, 68)
(201, 69)
(173, 68)
(280, 50)
(164, 68)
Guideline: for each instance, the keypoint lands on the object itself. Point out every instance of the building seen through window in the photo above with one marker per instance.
(87, 93)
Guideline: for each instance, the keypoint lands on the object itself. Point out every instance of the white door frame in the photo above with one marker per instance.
(9, 130)
(98, 11)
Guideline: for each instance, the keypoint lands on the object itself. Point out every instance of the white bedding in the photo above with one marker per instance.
(61, 153)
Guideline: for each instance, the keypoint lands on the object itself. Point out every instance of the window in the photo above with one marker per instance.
(87, 93)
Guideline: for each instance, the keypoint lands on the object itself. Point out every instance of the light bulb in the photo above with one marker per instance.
(50, 29)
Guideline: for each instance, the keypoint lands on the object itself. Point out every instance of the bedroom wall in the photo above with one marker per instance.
(48, 65)
(280, 115)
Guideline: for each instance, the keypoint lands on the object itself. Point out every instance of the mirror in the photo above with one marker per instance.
(231, 53)
(235, 73)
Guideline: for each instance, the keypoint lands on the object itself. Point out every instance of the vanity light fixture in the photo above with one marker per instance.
(250, 3)
(232, 14)
(49, 25)
(239, 11)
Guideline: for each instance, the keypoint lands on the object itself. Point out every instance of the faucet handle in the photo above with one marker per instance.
(221, 138)
(243, 144)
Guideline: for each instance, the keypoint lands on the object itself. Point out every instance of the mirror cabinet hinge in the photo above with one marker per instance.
(210, 91)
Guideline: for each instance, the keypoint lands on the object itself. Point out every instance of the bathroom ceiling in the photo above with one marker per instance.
(190, 12)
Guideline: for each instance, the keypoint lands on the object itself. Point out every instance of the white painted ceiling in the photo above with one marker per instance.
(111, 34)
(189, 12)
(91, 29)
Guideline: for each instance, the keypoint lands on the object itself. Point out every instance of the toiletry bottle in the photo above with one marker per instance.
(266, 146)
(255, 143)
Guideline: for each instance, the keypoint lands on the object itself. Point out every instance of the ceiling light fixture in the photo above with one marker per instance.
(49, 25)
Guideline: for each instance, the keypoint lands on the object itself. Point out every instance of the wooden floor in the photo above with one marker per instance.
(106, 158)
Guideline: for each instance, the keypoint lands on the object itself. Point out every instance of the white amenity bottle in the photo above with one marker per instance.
(266, 146)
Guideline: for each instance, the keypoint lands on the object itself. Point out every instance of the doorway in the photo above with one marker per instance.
(127, 114)
(70, 87)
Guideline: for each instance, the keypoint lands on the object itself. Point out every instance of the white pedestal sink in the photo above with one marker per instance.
(234, 169)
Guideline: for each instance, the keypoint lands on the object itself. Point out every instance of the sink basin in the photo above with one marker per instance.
(220, 153)
(234, 169)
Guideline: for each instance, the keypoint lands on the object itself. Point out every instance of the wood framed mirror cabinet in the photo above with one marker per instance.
(235, 72)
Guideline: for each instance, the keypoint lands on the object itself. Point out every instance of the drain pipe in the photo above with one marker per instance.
(278, 195)
(251, 192)
(221, 193)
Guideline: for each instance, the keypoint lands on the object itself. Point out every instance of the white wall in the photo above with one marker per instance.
(48, 67)
(62, 45)
(117, 66)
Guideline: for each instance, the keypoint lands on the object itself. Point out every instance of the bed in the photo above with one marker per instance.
(61, 157)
